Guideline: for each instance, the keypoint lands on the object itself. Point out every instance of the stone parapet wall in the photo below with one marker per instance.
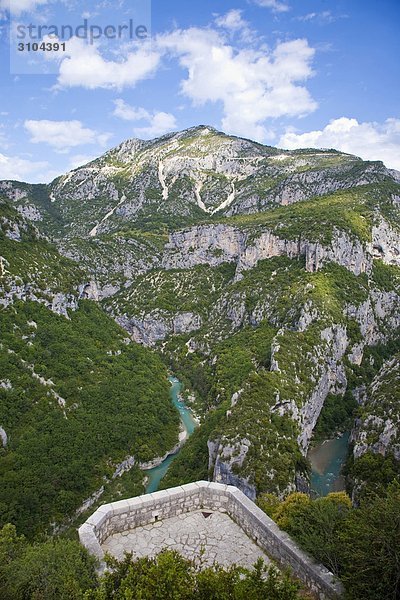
(124, 515)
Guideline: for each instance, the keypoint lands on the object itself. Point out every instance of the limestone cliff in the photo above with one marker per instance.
(378, 431)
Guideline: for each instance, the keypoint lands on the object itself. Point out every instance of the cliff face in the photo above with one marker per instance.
(31, 268)
(216, 244)
(378, 430)
(158, 325)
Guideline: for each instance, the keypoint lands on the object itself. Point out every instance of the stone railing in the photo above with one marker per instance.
(121, 516)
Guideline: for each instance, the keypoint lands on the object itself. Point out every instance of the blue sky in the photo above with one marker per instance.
(290, 73)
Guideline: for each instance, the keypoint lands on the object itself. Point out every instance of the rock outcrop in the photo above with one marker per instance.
(386, 243)
(378, 430)
(3, 437)
(227, 458)
(331, 379)
(157, 325)
(216, 244)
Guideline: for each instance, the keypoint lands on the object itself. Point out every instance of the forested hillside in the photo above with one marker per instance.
(77, 397)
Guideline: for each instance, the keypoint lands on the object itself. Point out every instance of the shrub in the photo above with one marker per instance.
(370, 543)
(53, 570)
(288, 510)
(169, 576)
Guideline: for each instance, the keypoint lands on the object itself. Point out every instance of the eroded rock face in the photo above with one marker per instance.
(343, 251)
(301, 186)
(3, 437)
(226, 458)
(90, 291)
(12, 230)
(378, 431)
(30, 212)
(206, 244)
(60, 303)
(332, 379)
(12, 191)
(377, 317)
(216, 244)
(386, 243)
(157, 325)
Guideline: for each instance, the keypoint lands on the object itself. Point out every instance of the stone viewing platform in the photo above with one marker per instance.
(211, 535)
(212, 519)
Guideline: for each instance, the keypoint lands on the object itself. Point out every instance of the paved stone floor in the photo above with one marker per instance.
(223, 540)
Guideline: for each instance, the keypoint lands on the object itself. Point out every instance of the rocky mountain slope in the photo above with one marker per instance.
(264, 277)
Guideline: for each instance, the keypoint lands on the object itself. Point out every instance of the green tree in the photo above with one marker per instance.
(269, 503)
(288, 511)
(53, 570)
(169, 576)
(371, 548)
(11, 548)
(317, 527)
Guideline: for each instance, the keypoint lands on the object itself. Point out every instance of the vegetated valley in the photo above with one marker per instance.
(267, 280)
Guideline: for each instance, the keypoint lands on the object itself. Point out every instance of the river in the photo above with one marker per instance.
(157, 473)
(327, 460)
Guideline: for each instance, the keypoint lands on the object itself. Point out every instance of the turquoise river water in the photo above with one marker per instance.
(155, 475)
(327, 460)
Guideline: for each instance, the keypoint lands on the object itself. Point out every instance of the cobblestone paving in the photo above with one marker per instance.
(223, 540)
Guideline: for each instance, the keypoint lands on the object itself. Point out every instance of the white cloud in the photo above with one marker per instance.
(274, 5)
(232, 20)
(21, 169)
(322, 17)
(253, 85)
(251, 82)
(83, 65)
(158, 123)
(17, 7)
(128, 113)
(233, 23)
(370, 141)
(63, 135)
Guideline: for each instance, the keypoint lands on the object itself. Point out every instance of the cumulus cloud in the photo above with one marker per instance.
(22, 169)
(63, 135)
(17, 7)
(128, 113)
(83, 65)
(232, 20)
(253, 85)
(369, 140)
(274, 5)
(158, 123)
(251, 82)
(233, 23)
